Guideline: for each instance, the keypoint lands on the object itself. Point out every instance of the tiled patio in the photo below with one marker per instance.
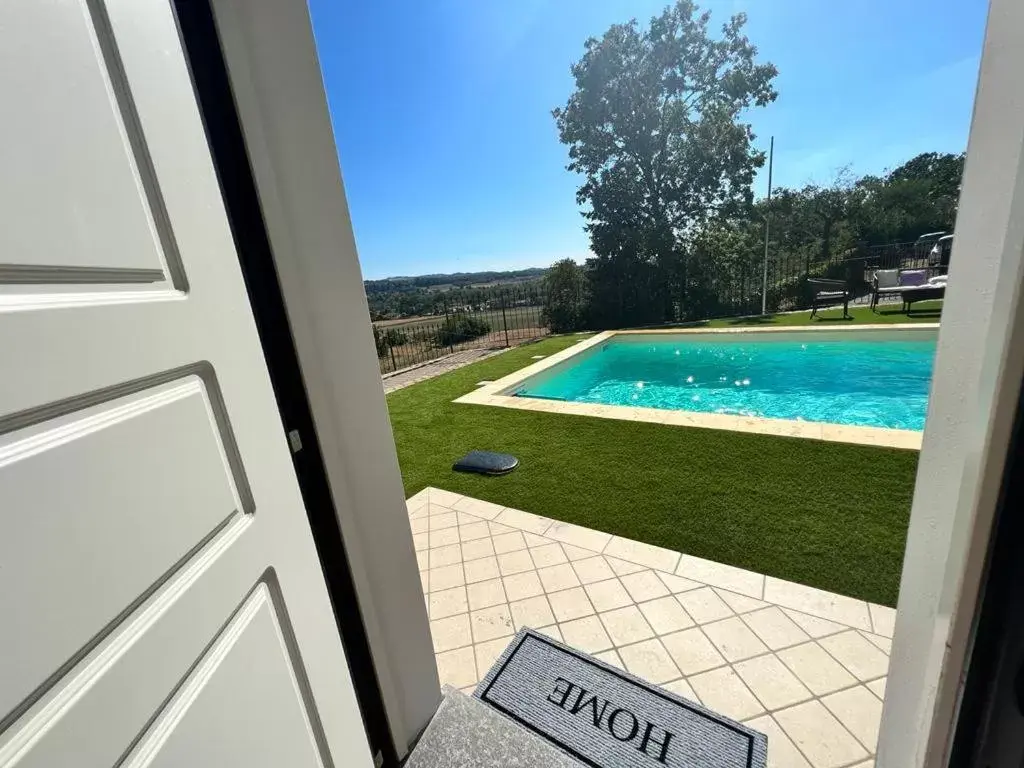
(806, 667)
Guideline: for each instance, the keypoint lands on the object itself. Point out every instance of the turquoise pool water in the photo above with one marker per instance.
(876, 379)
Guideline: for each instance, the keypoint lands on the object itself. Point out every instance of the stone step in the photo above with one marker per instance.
(466, 733)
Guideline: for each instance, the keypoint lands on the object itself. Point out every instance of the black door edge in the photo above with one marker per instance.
(238, 186)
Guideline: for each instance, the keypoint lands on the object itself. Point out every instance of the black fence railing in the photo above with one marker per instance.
(503, 319)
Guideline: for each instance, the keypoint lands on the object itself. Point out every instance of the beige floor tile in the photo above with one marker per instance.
(487, 653)
(515, 562)
(644, 585)
(884, 644)
(484, 594)
(818, 671)
(442, 497)
(533, 540)
(558, 577)
(567, 533)
(477, 507)
(610, 657)
(740, 603)
(481, 569)
(420, 542)
(474, 532)
(855, 653)
(626, 625)
(465, 519)
(586, 635)
(457, 668)
(644, 554)
(692, 651)
(677, 584)
(577, 553)
(622, 567)
(608, 595)
(474, 550)
(442, 521)
(425, 581)
(452, 632)
(704, 605)
(509, 542)
(877, 687)
(549, 554)
(817, 602)
(860, 711)
(819, 736)
(682, 688)
(772, 682)
(649, 660)
(448, 602)
(522, 585)
(665, 615)
(422, 560)
(721, 575)
(814, 626)
(551, 632)
(865, 764)
(883, 619)
(532, 612)
(444, 537)
(782, 753)
(497, 529)
(722, 690)
(733, 639)
(570, 604)
(420, 525)
(447, 555)
(593, 569)
(448, 576)
(775, 628)
(489, 623)
(525, 521)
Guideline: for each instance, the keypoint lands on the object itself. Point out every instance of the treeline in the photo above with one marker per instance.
(716, 268)
(396, 297)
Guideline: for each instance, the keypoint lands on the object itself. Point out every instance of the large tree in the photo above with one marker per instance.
(655, 126)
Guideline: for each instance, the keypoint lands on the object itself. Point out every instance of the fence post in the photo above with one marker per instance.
(504, 319)
(394, 365)
(449, 328)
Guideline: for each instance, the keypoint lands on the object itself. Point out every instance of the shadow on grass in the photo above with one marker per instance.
(936, 313)
(754, 320)
(840, 319)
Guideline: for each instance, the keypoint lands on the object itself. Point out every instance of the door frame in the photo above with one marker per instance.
(389, 730)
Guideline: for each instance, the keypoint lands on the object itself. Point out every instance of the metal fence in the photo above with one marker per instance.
(503, 319)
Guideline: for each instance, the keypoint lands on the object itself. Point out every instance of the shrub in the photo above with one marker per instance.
(384, 340)
(564, 307)
(461, 327)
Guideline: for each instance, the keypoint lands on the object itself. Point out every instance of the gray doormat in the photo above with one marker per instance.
(607, 718)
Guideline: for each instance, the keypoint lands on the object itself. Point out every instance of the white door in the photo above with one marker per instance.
(161, 601)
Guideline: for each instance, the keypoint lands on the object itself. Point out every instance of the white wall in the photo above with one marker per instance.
(276, 77)
(977, 378)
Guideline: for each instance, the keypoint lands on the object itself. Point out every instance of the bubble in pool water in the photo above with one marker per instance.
(722, 378)
(639, 385)
(746, 382)
(677, 351)
(803, 346)
(689, 379)
(737, 382)
(695, 398)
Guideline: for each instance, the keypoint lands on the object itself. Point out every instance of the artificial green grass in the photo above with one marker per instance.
(830, 515)
(923, 312)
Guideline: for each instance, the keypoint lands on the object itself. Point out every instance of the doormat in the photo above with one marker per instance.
(607, 718)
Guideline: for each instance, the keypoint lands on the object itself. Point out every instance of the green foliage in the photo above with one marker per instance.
(654, 126)
(461, 327)
(564, 304)
(387, 338)
(398, 297)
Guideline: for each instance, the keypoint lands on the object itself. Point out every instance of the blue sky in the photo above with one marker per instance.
(451, 159)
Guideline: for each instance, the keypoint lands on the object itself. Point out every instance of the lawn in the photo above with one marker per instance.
(924, 311)
(830, 515)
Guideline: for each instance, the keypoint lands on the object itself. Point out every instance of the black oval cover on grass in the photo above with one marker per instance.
(486, 463)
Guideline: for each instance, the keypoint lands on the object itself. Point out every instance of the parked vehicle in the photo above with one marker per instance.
(941, 252)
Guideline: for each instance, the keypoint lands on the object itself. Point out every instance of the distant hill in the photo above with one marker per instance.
(441, 282)
(400, 297)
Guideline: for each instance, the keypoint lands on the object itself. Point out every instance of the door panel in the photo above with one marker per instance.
(160, 587)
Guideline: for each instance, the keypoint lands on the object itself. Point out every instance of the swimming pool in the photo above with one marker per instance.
(864, 378)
